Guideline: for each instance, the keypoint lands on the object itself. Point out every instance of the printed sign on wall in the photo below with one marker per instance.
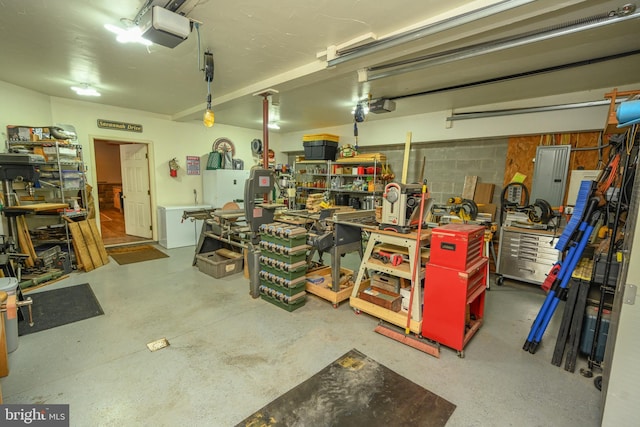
(193, 165)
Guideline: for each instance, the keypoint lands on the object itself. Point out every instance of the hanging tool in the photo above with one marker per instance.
(416, 258)
(358, 117)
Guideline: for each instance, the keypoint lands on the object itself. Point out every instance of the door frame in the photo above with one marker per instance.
(92, 178)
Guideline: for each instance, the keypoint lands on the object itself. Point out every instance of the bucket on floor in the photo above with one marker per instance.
(10, 286)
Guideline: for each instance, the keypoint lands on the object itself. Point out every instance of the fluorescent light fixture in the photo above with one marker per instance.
(129, 35)
(273, 125)
(394, 69)
(425, 31)
(85, 90)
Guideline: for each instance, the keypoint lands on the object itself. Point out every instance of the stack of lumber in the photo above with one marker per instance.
(87, 244)
(364, 157)
(313, 202)
(24, 240)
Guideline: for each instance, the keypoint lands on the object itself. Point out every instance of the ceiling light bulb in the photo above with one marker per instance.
(85, 91)
(208, 118)
(129, 35)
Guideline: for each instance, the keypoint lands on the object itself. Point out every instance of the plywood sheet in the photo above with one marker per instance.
(91, 244)
(80, 247)
(38, 207)
(484, 193)
(469, 187)
(104, 256)
(521, 152)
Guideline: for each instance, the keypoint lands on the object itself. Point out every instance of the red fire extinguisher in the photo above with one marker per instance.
(173, 167)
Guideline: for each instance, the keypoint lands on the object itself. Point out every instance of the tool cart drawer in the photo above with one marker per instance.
(456, 245)
(527, 255)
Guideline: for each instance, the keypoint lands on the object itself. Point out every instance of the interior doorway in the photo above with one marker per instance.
(120, 165)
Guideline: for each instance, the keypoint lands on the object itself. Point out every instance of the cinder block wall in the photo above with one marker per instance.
(447, 164)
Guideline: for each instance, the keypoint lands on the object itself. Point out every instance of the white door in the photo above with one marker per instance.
(135, 190)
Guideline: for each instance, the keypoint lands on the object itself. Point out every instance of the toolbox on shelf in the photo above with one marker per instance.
(383, 298)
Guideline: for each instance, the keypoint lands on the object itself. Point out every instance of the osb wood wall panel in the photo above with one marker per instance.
(521, 151)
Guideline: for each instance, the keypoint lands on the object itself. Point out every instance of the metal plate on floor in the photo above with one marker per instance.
(158, 344)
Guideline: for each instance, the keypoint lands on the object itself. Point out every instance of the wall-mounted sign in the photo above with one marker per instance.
(129, 127)
(193, 165)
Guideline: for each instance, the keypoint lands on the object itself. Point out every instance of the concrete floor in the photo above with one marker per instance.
(230, 354)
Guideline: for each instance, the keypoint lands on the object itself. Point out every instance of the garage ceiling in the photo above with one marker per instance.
(48, 46)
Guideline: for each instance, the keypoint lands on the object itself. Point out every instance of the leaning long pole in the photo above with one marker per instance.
(416, 259)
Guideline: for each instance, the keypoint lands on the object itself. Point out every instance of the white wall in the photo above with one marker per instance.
(433, 127)
(19, 106)
(166, 139)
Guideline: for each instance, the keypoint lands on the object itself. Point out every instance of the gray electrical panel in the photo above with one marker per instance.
(550, 174)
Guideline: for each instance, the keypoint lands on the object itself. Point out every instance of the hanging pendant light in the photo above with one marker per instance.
(208, 118)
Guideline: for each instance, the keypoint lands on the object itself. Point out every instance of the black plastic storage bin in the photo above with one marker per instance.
(320, 150)
(589, 331)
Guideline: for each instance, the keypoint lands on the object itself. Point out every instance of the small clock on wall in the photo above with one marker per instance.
(225, 145)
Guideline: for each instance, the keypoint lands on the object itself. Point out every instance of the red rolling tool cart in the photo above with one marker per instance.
(454, 289)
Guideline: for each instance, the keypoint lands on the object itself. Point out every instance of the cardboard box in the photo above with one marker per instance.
(405, 293)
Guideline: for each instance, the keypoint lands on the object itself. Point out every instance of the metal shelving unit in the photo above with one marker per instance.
(62, 180)
(322, 173)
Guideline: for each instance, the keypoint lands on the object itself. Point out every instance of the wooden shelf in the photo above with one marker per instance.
(325, 289)
(401, 270)
(392, 239)
(396, 318)
(611, 126)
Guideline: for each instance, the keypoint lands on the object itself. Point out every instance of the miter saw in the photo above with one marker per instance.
(465, 209)
(401, 207)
